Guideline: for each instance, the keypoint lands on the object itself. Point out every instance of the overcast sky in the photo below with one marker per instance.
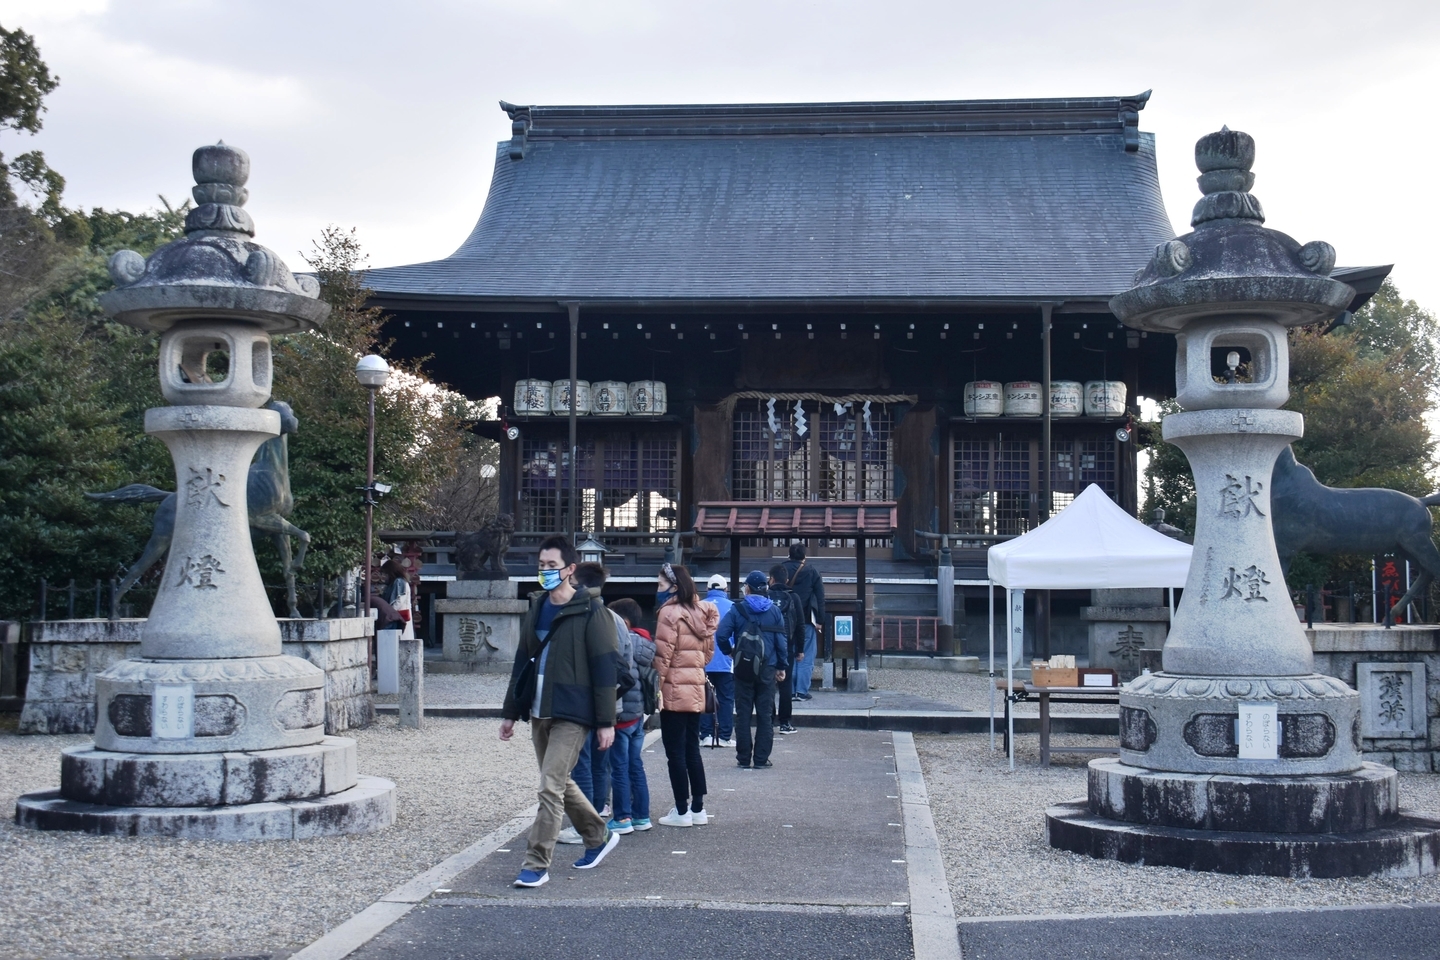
(383, 116)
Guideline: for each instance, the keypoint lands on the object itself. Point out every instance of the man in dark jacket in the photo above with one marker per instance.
(755, 690)
(806, 583)
(573, 652)
(789, 605)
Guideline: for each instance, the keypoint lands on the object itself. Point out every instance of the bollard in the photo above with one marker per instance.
(412, 681)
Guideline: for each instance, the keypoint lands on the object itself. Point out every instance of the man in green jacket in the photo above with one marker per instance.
(570, 637)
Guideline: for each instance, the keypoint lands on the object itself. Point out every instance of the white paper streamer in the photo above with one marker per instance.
(866, 411)
(770, 414)
(800, 426)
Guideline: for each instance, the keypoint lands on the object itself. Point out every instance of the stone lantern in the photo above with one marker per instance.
(1238, 757)
(212, 732)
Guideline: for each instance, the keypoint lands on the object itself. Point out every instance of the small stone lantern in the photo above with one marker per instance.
(212, 732)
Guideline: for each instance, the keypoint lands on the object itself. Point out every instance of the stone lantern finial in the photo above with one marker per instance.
(219, 191)
(1225, 159)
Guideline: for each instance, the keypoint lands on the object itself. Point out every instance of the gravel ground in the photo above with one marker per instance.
(70, 895)
(452, 689)
(968, 691)
(991, 827)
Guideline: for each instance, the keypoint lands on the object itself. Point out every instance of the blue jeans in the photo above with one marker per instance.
(627, 771)
(592, 773)
(724, 706)
(804, 668)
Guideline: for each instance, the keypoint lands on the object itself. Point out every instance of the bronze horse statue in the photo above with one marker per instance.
(267, 495)
(1309, 516)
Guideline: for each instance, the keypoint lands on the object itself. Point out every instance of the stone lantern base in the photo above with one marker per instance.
(1335, 825)
(283, 794)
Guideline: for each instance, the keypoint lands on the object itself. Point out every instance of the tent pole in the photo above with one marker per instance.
(1010, 672)
(991, 592)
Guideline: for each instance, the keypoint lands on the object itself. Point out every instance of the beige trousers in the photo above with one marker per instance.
(557, 747)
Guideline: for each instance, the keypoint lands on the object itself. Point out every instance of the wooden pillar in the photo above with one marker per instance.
(573, 522)
(860, 601)
(735, 569)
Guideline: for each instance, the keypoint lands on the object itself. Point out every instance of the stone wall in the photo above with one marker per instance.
(65, 656)
(1397, 672)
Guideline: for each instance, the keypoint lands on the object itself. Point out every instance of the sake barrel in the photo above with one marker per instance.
(1067, 398)
(647, 398)
(1022, 399)
(1104, 398)
(609, 398)
(560, 397)
(532, 397)
(984, 398)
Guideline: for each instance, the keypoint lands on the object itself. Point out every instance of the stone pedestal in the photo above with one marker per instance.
(1122, 624)
(412, 683)
(480, 625)
(67, 655)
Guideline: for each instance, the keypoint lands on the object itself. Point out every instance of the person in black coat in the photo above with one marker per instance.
(809, 588)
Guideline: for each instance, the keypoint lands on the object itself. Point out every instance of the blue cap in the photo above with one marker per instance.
(757, 581)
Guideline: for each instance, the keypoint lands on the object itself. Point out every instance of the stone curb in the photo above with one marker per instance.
(878, 718)
(933, 931)
(372, 921)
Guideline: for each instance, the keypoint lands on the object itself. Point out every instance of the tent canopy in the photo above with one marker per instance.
(1090, 544)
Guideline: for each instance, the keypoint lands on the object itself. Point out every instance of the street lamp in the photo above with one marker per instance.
(372, 371)
(591, 551)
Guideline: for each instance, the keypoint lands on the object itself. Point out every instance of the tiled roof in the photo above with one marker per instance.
(983, 200)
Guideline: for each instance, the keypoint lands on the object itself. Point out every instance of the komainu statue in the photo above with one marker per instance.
(1311, 517)
(486, 545)
(267, 495)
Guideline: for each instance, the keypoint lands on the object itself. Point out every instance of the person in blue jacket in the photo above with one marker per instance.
(721, 674)
(755, 689)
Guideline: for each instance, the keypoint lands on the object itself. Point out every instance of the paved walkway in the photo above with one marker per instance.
(806, 859)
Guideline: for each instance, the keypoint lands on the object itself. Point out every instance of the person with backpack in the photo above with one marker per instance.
(684, 641)
(563, 684)
(753, 633)
(627, 763)
(789, 605)
(807, 585)
(720, 671)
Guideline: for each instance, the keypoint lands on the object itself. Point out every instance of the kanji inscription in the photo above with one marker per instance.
(200, 573)
(1238, 499)
(203, 486)
(1246, 584)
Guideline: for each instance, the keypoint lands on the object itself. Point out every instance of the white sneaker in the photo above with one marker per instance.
(569, 835)
(677, 819)
(699, 819)
(728, 744)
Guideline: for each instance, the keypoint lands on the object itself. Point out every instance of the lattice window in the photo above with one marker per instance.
(855, 463)
(996, 488)
(626, 483)
(769, 465)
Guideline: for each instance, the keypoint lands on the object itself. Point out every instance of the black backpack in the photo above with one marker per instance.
(749, 646)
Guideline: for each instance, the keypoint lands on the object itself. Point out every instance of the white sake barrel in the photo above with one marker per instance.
(984, 398)
(560, 397)
(647, 398)
(532, 397)
(609, 398)
(1104, 398)
(1022, 399)
(1067, 398)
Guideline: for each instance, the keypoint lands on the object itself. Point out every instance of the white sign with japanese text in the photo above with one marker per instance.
(1258, 731)
(172, 712)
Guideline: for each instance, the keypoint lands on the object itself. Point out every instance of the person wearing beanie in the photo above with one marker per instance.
(753, 633)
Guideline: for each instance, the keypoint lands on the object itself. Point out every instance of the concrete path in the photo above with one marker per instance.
(803, 860)
(1335, 933)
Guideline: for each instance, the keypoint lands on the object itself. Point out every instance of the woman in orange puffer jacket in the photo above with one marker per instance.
(684, 641)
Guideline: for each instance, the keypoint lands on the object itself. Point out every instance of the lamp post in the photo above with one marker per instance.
(372, 371)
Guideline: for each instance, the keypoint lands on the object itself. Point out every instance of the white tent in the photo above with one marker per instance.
(1091, 544)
